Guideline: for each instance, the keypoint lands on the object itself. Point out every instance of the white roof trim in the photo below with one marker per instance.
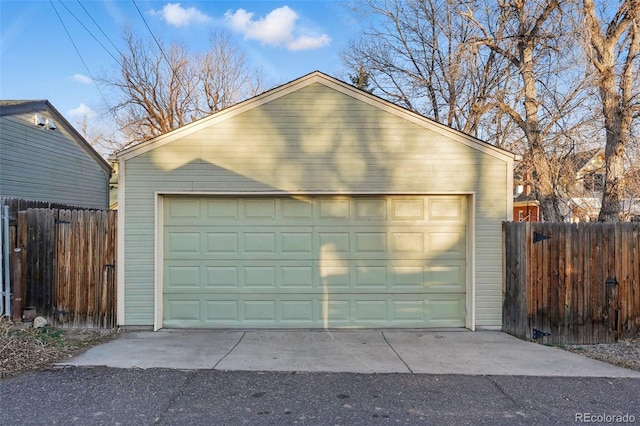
(340, 86)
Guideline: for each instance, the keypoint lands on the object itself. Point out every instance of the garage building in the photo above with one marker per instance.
(312, 205)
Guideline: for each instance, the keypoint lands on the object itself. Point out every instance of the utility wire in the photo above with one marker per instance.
(98, 26)
(186, 91)
(152, 35)
(90, 33)
(78, 52)
(104, 99)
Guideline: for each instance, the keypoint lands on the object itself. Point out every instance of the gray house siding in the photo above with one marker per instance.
(40, 164)
(315, 140)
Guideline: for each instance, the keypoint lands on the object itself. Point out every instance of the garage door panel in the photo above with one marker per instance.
(407, 209)
(333, 209)
(446, 209)
(221, 209)
(221, 311)
(259, 242)
(446, 243)
(184, 211)
(259, 277)
(297, 311)
(297, 277)
(291, 311)
(318, 210)
(182, 310)
(260, 209)
(225, 278)
(181, 277)
(307, 243)
(186, 243)
(259, 310)
(297, 210)
(296, 242)
(328, 261)
(306, 276)
(370, 209)
(222, 242)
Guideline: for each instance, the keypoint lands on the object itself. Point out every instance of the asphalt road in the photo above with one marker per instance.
(110, 396)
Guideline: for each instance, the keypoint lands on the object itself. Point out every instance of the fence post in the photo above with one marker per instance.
(16, 279)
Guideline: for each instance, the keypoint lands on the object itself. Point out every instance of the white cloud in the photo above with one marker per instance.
(81, 112)
(176, 15)
(277, 28)
(79, 78)
(309, 43)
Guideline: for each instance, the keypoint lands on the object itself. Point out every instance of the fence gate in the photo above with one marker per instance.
(571, 283)
(67, 265)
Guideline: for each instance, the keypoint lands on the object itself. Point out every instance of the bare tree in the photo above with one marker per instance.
(161, 88)
(225, 77)
(613, 49)
(417, 55)
(503, 71)
(529, 35)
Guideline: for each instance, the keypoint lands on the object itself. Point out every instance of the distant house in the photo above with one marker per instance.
(581, 186)
(585, 199)
(525, 206)
(43, 158)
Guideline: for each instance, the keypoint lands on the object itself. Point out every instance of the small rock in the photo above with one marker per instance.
(39, 322)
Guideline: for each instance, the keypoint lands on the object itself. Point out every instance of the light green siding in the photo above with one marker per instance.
(315, 140)
(37, 163)
(324, 261)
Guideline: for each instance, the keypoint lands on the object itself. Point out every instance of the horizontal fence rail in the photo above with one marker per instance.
(571, 283)
(67, 265)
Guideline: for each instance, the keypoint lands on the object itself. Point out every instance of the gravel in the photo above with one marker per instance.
(624, 353)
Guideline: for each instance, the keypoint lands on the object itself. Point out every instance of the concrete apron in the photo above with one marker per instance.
(354, 351)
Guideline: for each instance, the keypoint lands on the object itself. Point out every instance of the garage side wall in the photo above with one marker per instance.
(314, 140)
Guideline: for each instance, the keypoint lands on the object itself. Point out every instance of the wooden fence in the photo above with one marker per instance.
(65, 267)
(571, 283)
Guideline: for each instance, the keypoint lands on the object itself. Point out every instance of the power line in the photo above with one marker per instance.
(152, 35)
(78, 52)
(90, 33)
(159, 46)
(98, 26)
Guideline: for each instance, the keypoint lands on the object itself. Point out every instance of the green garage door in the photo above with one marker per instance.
(311, 262)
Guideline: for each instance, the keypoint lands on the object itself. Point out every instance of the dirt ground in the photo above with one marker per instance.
(24, 348)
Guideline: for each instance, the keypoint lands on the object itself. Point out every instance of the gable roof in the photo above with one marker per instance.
(300, 83)
(589, 161)
(14, 107)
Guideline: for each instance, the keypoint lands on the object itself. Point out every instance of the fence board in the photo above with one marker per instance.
(559, 285)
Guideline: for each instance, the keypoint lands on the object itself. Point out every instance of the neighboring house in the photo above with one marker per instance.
(312, 205)
(525, 206)
(113, 184)
(527, 210)
(585, 195)
(581, 183)
(43, 158)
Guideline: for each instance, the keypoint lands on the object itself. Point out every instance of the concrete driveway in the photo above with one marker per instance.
(353, 351)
